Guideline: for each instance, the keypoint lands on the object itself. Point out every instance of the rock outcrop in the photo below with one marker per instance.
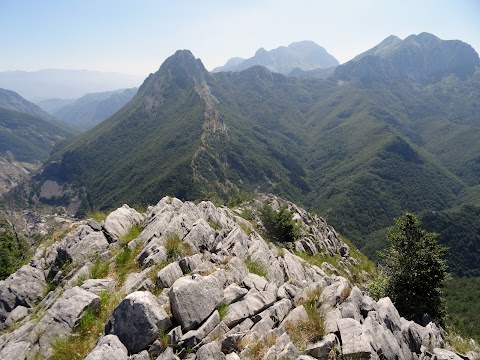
(200, 283)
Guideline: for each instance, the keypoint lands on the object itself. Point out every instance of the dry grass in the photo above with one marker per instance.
(258, 349)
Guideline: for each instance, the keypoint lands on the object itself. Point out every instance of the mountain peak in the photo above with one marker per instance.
(183, 59)
(305, 55)
(422, 58)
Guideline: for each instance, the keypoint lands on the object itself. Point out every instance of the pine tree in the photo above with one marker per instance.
(417, 269)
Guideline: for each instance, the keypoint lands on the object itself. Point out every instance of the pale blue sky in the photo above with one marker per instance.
(136, 36)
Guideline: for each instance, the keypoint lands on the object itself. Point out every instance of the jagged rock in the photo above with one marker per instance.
(154, 253)
(137, 321)
(297, 314)
(351, 305)
(354, 342)
(108, 347)
(277, 312)
(323, 348)
(168, 354)
(232, 293)
(232, 356)
(254, 281)
(24, 287)
(382, 340)
(444, 354)
(282, 349)
(253, 303)
(169, 274)
(64, 316)
(193, 337)
(138, 282)
(293, 268)
(119, 222)
(211, 351)
(201, 236)
(94, 225)
(237, 269)
(141, 356)
(15, 350)
(235, 244)
(288, 291)
(193, 299)
(19, 313)
(82, 244)
(190, 263)
(175, 335)
(98, 286)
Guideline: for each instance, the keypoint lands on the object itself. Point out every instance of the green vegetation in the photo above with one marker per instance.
(279, 225)
(463, 308)
(222, 310)
(176, 248)
(416, 269)
(13, 248)
(98, 216)
(125, 262)
(256, 267)
(85, 336)
(311, 329)
(132, 234)
(29, 138)
(99, 269)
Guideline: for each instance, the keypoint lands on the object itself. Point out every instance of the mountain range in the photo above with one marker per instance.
(65, 84)
(375, 138)
(90, 109)
(303, 55)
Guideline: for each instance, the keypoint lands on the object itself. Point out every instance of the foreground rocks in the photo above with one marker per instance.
(192, 295)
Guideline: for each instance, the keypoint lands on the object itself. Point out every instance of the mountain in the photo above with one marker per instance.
(423, 58)
(360, 155)
(304, 55)
(91, 109)
(13, 101)
(197, 279)
(65, 84)
(52, 105)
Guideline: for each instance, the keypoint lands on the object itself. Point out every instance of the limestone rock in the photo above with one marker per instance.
(232, 293)
(119, 222)
(354, 342)
(108, 347)
(323, 348)
(211, 351)
(98, 286)
(167, 276)
(24, 287)
(168, 354)
(64, 316)
(137, 321)
(193, 299)
(193, 337)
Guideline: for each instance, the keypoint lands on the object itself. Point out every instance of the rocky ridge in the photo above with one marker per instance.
(197, 281)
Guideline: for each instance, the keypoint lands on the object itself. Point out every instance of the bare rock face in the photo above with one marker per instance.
(64, 316)
(25, 287)
(108, 347)
(137, 321)
(119, 222)
(193, 299)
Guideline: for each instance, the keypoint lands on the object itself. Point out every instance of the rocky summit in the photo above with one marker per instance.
(196, 281)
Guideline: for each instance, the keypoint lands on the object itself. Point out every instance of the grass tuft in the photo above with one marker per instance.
(134, 232)
(256, 267)
(222, 310)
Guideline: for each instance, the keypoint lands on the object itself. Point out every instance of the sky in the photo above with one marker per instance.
(136, 36)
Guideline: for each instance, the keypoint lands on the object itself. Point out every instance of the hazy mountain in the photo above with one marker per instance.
(52, 105)
(91, 109)
(305, 55)
(423, 57)
(13, 101)
(361, 156)
(66, 84)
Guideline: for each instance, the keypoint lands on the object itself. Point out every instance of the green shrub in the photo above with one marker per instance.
(134, 232)
(176, 248)
(279, 225)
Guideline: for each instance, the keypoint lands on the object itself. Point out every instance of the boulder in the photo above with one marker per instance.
(354, 343)
(193, 299)
(233, 293)
(168, 354)
(444, 354)
(137, 321)
(15, 350)
(108, 347)
(253, 303)
(24, 287)
(169, 274)
(193, 337)
(210, 351)
(119, 222)
(254, 281)
(19, 313)
(190, 263)
(201, 237)
(323, 348)
(63, 317)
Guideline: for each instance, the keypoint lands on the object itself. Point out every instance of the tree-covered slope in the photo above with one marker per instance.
(359, 152)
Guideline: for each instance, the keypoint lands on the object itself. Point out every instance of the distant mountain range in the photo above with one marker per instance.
(90, 109)
(13, 101)
(64, 84)
(303, 55)
(358, 148)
